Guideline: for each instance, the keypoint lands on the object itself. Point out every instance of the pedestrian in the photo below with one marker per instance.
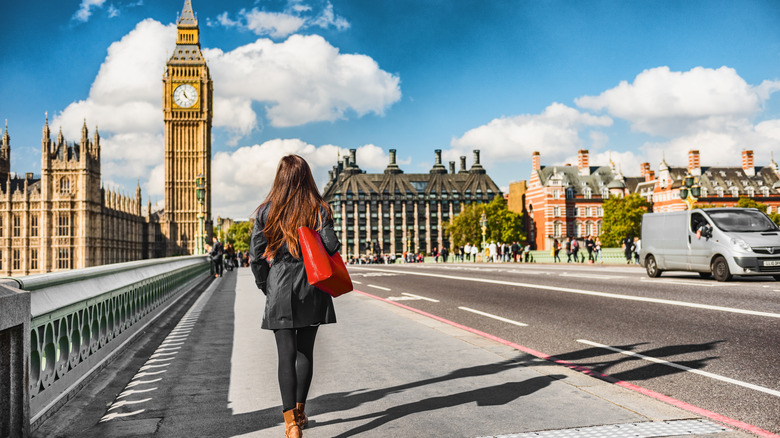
(590, 245)
(556, 251)
(493, 252)
(294, 309)
(444, 254)
(527, 253)
(628, 248)
(467, 251)
(598, 250)
(435, 255)
(216, 253)
(637, 248)
(568, 249)
(474, 252)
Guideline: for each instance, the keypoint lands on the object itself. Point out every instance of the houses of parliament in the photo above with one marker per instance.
(66, 219)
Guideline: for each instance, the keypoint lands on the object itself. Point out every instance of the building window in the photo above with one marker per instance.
(589, 228)
(17, 226)
(588, 193)
(557, 229)
(605, 193)
(556, 212)
(1, 226)
(64, 185)
(765, 191)
(569, 194)
(556, 194)
(751, 192)
(1, 259)
(63, 224)
(17, 260)
(600, 212)
(33, 226)
(33, 259)
(63, 258)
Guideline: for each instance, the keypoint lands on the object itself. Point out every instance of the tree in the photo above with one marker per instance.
(622, 217)
(239, 235)
(502, 225)
(745, 202)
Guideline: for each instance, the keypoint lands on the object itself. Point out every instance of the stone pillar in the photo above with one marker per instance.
(368, 224)
(380, 225)
(440, 233)
(416, 227)
(344, 228)
(428, 225)
(356, 234)
(392, 227)
(404, 230)
(14, 360)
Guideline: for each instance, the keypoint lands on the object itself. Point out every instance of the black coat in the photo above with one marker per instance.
(291, 302)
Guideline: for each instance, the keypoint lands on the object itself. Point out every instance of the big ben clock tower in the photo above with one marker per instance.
(187, 108)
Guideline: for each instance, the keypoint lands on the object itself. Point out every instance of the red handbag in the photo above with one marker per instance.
(323, 271)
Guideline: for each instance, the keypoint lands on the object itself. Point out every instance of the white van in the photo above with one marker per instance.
(717, 242)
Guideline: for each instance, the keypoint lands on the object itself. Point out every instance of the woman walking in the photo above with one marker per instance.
(293, 309)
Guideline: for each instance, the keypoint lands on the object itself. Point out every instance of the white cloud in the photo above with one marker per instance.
(303, 79)
(85, 9)
(670, 103)
(113, 11)
(243, 178)
(296, 16)
(556, 131)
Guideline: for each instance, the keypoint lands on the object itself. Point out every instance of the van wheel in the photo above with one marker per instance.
(705, 274)
(652, 267)
(720, 269)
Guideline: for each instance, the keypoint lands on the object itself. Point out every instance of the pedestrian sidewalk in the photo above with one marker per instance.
(384, 371)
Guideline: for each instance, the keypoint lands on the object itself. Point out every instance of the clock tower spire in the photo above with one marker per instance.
(187, 113)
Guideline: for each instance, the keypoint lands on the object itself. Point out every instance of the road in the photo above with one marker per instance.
(711, 345)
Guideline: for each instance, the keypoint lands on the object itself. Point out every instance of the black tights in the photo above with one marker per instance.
(296, 363)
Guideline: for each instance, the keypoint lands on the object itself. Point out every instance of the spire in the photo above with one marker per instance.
(6, 143)
(46, 130)
(60, 137)
(187, 17)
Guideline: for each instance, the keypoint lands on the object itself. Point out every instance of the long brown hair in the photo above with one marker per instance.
(294, 202)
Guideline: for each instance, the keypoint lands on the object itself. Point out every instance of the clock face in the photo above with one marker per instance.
(185, 95)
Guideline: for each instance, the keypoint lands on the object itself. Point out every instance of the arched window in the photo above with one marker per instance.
(557, 229)
(64, 185)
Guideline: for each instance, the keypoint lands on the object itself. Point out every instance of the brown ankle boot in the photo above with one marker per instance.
(291, 429)
(302, 420)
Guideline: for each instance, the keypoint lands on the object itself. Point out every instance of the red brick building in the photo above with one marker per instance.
(567, 201)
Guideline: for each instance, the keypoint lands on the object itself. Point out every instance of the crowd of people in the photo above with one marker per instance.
(576, 250)
(225, 257)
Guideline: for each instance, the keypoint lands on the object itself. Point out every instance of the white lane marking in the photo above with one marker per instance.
(162, 359)
(146, 367)
(356, 282)
(683, 282)
(155, 355)
(684, 368)
(419, 297)
(113, 415)
(142, 382)
(134, 391)
(594, 276)
(171, 343)
(478, 312)
(167, 349)
(148, 373)
(119, 404)
(377, 287)
(600, 294)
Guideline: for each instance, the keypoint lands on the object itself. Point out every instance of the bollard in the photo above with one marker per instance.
(14, 360)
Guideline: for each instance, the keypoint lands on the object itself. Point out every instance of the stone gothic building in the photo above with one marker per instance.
(393, 212)
(65, 219)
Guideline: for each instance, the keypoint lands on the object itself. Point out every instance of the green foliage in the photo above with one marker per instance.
(239, 235)
(745, 202)
(502, 225)
(622, 217)
(775, 218)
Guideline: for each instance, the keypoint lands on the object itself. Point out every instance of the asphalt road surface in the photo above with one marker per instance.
(713, 345)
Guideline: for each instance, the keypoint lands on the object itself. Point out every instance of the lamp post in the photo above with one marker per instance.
(483, 223)
(200, 195)
(690, 190)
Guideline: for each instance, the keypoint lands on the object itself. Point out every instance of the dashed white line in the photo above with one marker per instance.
(119, 404)
(113, 415)
(142, 382)
(684, 368)
(378, 287)
(356, 282)
(148, 373)
(133, 391)
(499, 318)
(419, 297)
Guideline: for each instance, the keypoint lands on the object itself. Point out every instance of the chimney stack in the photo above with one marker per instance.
(438, 155)
(694, 167)
(536, 161)
(462, 164)
(353, 157)
(583, 162)
(452, 167)
(438, 167)
(644, 171)
(392, 157)
(392, 167)
(747, 163)
(477, 167)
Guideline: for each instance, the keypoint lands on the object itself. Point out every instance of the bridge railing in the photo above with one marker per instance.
(80, 318)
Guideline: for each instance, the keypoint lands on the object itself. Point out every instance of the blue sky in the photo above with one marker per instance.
(630, 80)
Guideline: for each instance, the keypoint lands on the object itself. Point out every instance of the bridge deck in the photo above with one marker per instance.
(209, 370)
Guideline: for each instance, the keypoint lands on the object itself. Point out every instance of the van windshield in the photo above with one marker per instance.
(742, 221)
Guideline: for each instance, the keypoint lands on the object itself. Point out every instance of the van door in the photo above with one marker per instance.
(699, 246)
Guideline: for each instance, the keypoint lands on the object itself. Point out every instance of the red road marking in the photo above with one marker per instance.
(605, 377)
